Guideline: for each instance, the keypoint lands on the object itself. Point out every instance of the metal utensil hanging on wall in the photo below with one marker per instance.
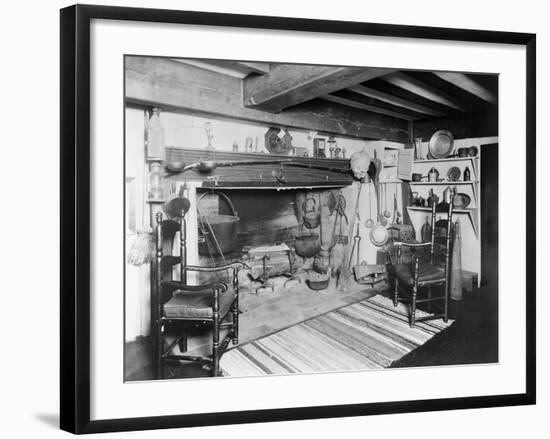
(381, 218)
(369, 223)
(387, 213)
(341, 238)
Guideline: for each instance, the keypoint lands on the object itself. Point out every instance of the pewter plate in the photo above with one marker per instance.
(441, 144)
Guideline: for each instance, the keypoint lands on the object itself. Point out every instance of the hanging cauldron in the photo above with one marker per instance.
(307, 244)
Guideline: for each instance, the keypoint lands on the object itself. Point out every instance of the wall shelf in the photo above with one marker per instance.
(313, 172)
(472, 183)
(448, 159)
(432, 183)
(473, 160)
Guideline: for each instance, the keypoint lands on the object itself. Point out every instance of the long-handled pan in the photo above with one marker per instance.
(207, 166)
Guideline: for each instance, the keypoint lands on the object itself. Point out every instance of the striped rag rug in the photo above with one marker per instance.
(370, 334)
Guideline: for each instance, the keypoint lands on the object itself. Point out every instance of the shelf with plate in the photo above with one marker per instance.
(444, 167)
(448, 183)
(472, 183)
(474, 161)
(447, 159)
(472, 214)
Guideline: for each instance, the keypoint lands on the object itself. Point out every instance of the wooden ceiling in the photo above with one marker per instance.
(363, 102)
(408, 95)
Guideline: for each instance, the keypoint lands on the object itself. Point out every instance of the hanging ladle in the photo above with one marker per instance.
(387, 213)
(381, 218)
(370, 222)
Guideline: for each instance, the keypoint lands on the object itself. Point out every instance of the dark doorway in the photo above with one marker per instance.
(489, 216)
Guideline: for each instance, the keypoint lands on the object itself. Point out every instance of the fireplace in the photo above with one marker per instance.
(270, 200)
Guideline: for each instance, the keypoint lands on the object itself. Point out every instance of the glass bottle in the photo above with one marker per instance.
(433, 175)
(155, 183)
(333, 147)
(155, 137)
(418, 148)
(466, 174)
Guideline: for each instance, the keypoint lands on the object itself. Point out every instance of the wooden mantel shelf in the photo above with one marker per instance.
(261, 176)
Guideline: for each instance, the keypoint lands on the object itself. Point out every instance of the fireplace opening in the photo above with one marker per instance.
(269, 221)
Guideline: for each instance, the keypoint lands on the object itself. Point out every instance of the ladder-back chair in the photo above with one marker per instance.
(175, 304)
(430, 267)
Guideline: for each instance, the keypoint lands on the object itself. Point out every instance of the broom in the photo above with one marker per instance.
(142, 250)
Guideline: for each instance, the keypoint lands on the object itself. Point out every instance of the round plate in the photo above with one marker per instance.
(453, 174)
(278, 141)
(378, 235)
(441, 144)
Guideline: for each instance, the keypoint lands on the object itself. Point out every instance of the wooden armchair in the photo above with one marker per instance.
(428, 271)
(175, 304)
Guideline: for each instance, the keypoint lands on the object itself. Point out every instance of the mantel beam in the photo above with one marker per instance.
(287, 85)
(184, 88)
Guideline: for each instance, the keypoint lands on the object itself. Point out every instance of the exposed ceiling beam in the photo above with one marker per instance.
(185, 88)
(367, 107)
(394, 100)
(420, 88)
(289, 84)
(238, 69)
(468, 84)
(257, 67)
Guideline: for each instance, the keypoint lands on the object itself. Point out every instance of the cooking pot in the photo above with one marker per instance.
(307, 244)
(218, 233)
(463, 152)
(416, 177)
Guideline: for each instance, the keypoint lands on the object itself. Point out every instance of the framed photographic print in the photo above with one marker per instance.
(237, 227)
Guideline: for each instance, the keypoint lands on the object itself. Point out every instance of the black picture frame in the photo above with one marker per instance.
(75, 216)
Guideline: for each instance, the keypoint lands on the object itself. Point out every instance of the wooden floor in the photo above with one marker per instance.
(262, 313)
(473, 338)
